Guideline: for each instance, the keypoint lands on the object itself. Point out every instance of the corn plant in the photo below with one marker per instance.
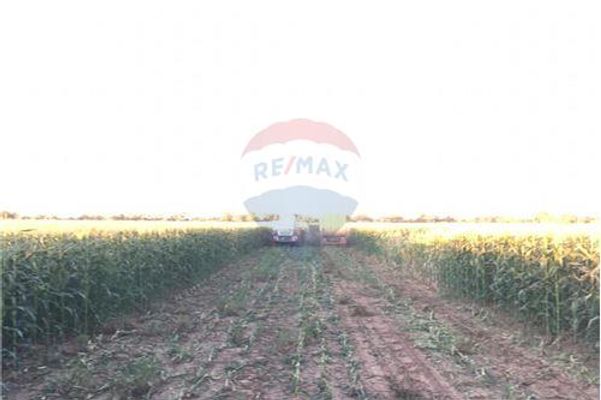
(548, 280)
(54, 285)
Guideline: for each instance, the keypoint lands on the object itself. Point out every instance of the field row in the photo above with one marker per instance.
(547, 280)
(305, 322)
(59, 285)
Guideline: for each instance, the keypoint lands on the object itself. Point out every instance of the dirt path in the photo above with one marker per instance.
(298, 323)
(394, 367)
(510, 364)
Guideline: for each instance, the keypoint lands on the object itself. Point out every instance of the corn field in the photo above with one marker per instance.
(60, 284)
(546, 280)
(215, 313)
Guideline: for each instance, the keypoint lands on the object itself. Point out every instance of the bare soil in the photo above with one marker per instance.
(310, 323)
(524, 358)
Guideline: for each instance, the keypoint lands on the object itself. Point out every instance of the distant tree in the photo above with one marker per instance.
(46, 217)
(425, 218)
(392, 218)
(91, 217)
(361, 218)
(270, 217)
(8, 215)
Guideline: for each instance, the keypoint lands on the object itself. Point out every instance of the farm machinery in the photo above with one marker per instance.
(327, 231)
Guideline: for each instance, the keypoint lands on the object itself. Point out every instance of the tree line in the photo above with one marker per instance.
(229, 217)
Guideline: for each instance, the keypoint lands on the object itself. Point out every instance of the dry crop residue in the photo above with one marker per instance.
(306, 323)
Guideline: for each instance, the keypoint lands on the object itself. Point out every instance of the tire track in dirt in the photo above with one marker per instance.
(399, 370)
(302, 309)
(392, 366)
(214, 355)
(269, 377)
(249, 368)
(325, 365)
(430, 337)
(228, 312)
(493, 348)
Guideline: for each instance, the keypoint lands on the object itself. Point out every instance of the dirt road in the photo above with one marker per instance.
(309, 323)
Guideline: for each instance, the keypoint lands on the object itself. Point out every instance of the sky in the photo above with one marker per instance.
(458, 108)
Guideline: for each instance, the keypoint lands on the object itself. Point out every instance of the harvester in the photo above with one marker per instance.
(332, 230)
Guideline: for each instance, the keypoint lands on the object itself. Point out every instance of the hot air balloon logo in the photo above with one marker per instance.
(301, 168)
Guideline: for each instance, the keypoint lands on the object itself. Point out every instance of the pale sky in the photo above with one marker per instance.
(460, 108)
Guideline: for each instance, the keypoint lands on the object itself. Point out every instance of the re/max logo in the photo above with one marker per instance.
(300, 165)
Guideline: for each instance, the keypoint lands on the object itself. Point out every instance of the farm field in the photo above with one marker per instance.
(318, 323)
(76, 226)
(333, 201)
